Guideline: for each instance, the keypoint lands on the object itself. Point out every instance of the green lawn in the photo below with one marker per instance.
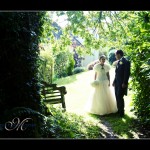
(78, 91)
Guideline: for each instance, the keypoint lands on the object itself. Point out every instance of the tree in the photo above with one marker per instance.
(20, 99)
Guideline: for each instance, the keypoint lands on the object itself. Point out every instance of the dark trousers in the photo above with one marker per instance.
(119, 93)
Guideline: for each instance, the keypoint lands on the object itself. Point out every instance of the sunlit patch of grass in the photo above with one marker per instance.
(123, 127)
(67, 80)
(71, 125)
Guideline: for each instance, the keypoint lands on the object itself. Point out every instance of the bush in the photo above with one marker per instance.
(19, 49)
(138, 50)
(111, 56)
(64, 64)
(70, 65)
(46, 64)
(78, 70)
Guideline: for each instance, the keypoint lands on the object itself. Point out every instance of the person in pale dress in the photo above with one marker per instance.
(102, 99)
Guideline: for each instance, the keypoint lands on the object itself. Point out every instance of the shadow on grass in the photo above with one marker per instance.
(118, 127)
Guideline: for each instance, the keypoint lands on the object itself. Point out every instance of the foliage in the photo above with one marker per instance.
(77, 59)
(103, 51)
(139, 52)
(70, 65)
(46, 64)
(70, 125)
(78, 70)
(64, 64)
(111, 56)
(26, 123)
(19, 39)
(20, 33)
(97, 28)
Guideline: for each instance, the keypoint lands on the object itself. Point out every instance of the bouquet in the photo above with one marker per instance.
(95, 83)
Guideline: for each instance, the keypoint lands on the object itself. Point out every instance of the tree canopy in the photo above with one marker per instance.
(97, 28)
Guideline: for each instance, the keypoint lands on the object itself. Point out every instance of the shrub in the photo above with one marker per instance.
(64, 64)
(46, 63)
(70, 65)
(111, 56)
(78, 70)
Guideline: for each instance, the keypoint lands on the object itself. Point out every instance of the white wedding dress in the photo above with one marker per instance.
(102, 99)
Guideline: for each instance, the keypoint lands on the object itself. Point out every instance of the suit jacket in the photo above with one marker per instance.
(122, 74)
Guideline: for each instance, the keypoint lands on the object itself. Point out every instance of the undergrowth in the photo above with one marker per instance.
(70, 125)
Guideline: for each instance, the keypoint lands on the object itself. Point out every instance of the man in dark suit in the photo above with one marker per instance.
(120, 82)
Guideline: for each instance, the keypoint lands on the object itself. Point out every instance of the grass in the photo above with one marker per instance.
(73, 126)
(78, 91)
(123, 127)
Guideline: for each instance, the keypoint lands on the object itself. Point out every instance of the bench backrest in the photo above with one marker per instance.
(53, 94)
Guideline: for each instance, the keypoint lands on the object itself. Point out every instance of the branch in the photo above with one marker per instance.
(107, 24)
(99, 20)
(116, 17)
(100, 23)
(112, 20)
(100, 17)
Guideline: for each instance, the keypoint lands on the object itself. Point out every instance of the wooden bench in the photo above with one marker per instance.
(53, 94)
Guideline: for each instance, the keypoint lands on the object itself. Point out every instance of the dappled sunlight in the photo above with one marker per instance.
(124, 120)
(78, 91)
(76, 126)
(123, 126)
(135, 134)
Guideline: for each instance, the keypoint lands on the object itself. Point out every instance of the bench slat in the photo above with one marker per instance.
(51, 96)
(53, 101)
(51, 92)
(54, 94)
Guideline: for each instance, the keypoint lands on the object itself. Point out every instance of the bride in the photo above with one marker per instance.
(101, 101)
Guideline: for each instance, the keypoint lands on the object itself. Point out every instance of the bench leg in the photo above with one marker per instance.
(63, 103)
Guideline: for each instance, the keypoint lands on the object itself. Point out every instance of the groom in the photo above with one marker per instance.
(120, 82)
